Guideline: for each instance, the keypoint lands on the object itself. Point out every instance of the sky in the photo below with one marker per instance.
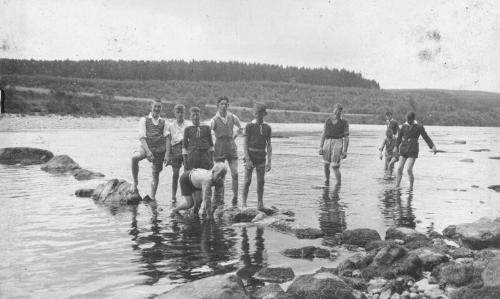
(444, 44)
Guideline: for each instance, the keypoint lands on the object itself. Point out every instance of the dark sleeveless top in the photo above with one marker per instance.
(224, 130)
(154, 135)
(337, 130)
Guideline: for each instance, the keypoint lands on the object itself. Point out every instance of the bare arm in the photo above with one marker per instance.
(269, 155)
(322, 141)
(238, 124)
(428, 140)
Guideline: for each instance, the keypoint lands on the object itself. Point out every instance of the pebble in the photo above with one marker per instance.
(405, 295)
(413, 295)
(376, 296)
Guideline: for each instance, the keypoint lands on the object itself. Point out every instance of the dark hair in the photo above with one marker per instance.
(222, 98)
(388, 113)
(156, 101)
(179, 107)
(410, 116)
(339, 107)
(194, 110)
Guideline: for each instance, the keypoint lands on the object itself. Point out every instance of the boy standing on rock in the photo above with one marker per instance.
(197, 145)
(153, 137)
(256, 146)
(225, 148)
(174, 145)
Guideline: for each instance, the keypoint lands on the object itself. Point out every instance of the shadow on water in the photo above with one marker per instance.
(397, 207)
(181, 250)
(332, 215)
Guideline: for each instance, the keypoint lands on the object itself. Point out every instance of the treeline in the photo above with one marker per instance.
(182, 70)
(433, 107)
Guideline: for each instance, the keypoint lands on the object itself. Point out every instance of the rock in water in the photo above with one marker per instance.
(215, 287)
(467, 160)
(476, 235)
(495, 187)
(360, 237)
(61, 163)
(495, 158)
(84, 174)
(277, 275)
(84, 192)
(115, 192)
(308, 233)
(322, 285)
(24, 155)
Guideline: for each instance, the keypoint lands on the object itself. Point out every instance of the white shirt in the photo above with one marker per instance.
(142, 125)
(176, 131)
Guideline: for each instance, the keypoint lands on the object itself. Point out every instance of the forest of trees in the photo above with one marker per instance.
(188, 71)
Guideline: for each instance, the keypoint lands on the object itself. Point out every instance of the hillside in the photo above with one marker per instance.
(433, 107)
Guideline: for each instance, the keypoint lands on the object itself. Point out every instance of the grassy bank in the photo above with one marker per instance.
(436, 107)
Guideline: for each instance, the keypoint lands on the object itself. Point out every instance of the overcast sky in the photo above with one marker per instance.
(450, 44)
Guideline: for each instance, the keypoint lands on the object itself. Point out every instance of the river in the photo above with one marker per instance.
(55, 245)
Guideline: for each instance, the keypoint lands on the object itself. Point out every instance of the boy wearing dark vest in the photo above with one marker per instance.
(257, 146)
(174, 145)
(197, 145)
(334, 143)
(152, 135)
(225, 148)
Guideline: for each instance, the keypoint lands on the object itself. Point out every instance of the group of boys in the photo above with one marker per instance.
(190, 145)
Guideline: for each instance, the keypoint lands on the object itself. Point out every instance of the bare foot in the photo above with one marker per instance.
(133, 189)
(327, 183)
(244, 205)
(174, 199)
(235, 201)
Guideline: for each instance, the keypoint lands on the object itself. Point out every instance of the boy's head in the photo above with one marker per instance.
(222, 104)
(156, 106)
(389, 133)
(410, 117)
(337, 110)
(219, 172)
(195, 115)
(388, 115)
(259, 112)
(179, 112)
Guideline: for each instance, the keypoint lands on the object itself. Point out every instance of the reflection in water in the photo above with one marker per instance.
(398, 208)
(332, 215)
(185, 251)
(251, 265)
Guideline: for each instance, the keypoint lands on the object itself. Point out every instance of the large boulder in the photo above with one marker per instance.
(84, 174)
(481, 293)
(24, 155)
(276, 275)
(430, 257)
(392, 261)
(227, 286)
(115, 192)
(491, 274)
(476, 235)
(270, 291)
(322, 285)
(455, 274)
(60, 163)
(410, 237)
(360, 237)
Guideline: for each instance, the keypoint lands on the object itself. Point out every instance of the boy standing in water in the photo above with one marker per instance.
(256, 146)
(389, 144)
(152, 135)
(174, 145)
(334, 143)
(225, 148)
(392, 123)
(197, 146)
(196, 187)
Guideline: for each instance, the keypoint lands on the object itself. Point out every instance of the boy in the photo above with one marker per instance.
(389, 144)
(225, 148)
(152, 135)
(173, 155)
(392, 123)
(197, 145)
(334, 143)
(196, 187)
(256, 146)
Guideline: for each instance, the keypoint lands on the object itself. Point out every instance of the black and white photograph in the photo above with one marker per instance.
(250, 149)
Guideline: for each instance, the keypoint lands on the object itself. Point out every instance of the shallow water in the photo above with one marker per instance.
(55, 245)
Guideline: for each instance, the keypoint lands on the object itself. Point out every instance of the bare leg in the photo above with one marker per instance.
(154, 184)
(411, 162)
(401, 166)
(175, 182)
(261, 172)
(233, 166)
(326, 168)
(338, 175)
(197, 201)
(136, 158)
(246, 186)
(186, 205)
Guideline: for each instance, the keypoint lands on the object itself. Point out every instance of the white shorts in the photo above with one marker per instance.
(332, 151)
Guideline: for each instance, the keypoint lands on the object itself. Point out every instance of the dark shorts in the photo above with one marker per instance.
(225, 149)
(187, 188)
(176, 155)
(258, 158)
(199, 159)
(409, 155)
